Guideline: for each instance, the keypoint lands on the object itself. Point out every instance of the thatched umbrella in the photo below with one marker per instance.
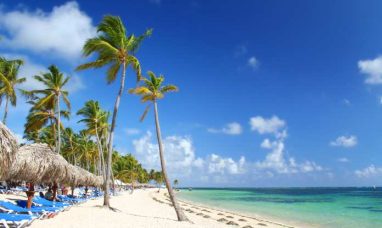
(8, 150)
(37, 163)
(79, 176)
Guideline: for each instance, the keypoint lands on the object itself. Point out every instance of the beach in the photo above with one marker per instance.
(146, 208)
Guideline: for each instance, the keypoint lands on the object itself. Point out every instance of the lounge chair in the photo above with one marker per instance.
(45, 202)
(40, 212)
(72, 200)
(15, 220)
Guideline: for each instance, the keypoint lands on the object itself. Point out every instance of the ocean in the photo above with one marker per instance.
(313, 207)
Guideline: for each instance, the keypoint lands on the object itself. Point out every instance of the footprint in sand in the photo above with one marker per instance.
(247, 226)
(229, 216)
(220, 214)
(232, 223)
(222, 220)
(261, 224)
(199, 213)
(242, 220)
(206, 216)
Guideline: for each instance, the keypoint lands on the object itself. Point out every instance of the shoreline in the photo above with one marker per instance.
(252, 220)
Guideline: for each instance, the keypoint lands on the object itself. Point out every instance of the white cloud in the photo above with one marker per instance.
(233, 128)
(181, 159)
(179, 153)
(345, 141)
(253, 62)
(220, 165)
(369, 172)
(132, 131)
(276, 160)
(264, 126)
(372, 68)
(344, 160)
(61, 32)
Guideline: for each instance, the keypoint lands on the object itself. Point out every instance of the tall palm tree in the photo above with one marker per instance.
(50, 97)
(115, 49)
(9, 80)
(152, 91)
(94, 118)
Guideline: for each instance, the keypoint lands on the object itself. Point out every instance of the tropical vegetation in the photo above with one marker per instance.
(92, 146)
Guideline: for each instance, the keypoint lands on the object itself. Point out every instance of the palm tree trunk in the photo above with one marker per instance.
(100, 154)
(179, 212)
(106, 201)
(58, 125)
(6, 111)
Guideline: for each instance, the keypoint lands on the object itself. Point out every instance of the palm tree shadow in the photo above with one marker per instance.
(110, 208)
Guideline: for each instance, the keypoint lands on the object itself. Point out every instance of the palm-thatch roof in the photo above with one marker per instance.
(8, 150)
(78, 176)
(37, 163)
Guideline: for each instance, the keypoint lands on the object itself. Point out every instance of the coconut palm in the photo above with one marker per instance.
(94, 118)
(39, 119)
(152, 91)
(50, 97)
(9, 80)
(115, 49)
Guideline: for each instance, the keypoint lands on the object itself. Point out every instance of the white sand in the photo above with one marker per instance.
(144, 208)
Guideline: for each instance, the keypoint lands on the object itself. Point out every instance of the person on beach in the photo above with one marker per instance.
(49, 194)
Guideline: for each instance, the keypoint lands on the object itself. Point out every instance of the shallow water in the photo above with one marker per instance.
(322, 207)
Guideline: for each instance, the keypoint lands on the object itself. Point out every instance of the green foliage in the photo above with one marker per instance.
(152, 90)
(114, 48)
(128, 169)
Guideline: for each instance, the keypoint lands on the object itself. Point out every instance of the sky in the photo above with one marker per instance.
(272, 93)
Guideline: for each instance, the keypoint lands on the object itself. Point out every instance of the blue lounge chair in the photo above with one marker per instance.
(72, 200)
(37, 211)
(15, 220)
(45, 202)
(23, 203)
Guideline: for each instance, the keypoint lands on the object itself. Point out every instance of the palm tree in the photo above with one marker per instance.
(9, 80)
(176, 182)
(94, 118)
(41, 119)
(158, 178)
(152, 91)
(115, 49)
(54, 82)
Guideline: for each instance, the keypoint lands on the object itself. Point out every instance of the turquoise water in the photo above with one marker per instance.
(317, 207)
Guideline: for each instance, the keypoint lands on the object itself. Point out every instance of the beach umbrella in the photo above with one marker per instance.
(79, 176)
(8, 150)
(37, 163)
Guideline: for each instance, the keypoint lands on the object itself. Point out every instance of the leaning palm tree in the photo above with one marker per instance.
(50, 97)
(9, 80)
(115, 49)
(152, 91)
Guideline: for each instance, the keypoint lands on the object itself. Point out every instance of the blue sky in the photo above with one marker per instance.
(272, 93)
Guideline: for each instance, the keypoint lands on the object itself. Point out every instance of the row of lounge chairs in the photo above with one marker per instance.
(13, 213)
